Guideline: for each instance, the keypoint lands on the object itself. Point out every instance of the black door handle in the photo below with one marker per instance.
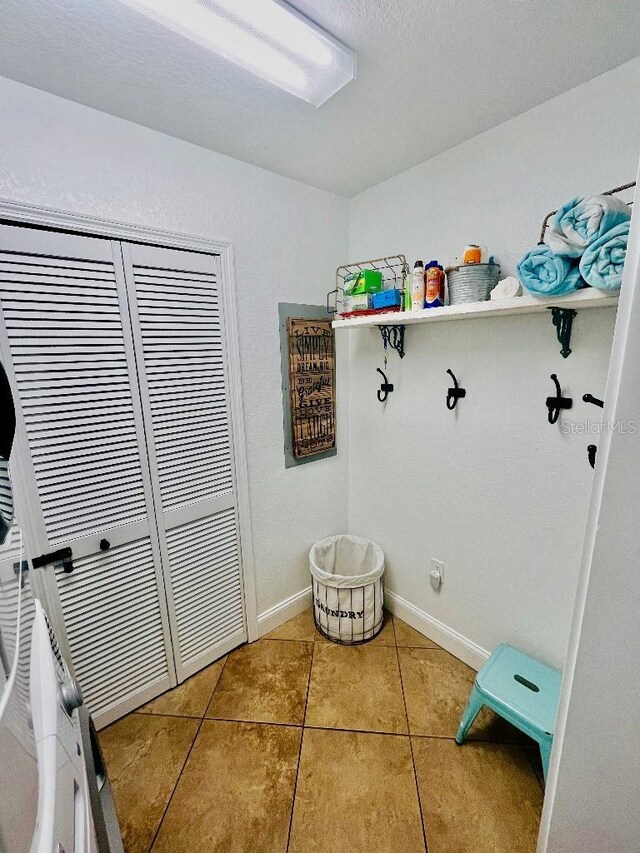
(62, 555)
(105, 544)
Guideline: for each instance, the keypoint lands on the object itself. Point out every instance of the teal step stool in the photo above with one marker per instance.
(522, 690)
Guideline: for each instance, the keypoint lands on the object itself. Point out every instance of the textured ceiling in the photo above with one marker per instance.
(431, 73)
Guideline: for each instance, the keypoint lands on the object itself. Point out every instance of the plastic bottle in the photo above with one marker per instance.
(417, 286)
(434, 285)
(472, 254)
(406, 293)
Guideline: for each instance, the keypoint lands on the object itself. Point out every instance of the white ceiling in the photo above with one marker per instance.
(431, 73)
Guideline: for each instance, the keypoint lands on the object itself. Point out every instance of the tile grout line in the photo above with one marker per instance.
(377, 645)
(469, 739)
(167, 714)
(304, 718)
(186, 759)
(413, 759)
(222, 719)
(393, 630)
(304, 726)
(325, 728)
(184, 764)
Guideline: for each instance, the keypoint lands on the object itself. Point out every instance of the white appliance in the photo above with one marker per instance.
(54, 792)
(64, 809)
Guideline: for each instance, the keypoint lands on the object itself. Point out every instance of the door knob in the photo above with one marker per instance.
(70, 695)
(105, 544)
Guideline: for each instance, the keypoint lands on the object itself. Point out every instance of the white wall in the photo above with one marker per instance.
(288, 239)
(493, 490)
(592, 796)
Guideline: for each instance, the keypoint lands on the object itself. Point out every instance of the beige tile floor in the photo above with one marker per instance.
(297, 744)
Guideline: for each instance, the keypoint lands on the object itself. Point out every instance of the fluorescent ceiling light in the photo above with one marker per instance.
(266, 37)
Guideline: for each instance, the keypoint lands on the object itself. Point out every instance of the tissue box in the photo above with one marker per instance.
(365, 281)
(358, 302)
(387, 299)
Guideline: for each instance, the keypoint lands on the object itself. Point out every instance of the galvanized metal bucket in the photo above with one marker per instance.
(472, 282)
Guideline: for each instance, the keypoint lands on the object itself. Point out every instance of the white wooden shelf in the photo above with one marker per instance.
(587, 298)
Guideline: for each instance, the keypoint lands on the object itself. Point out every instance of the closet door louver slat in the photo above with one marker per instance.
(42, 344)
(163, 345)
(176, 308)
(115, 634)
(64, 317)
(214, 611)
(118, 354)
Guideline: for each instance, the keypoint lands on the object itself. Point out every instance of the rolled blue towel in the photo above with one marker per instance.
(581, 221)
(544, 273)
(602, 263)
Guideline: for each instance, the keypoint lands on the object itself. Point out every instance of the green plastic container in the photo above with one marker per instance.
(365, 281)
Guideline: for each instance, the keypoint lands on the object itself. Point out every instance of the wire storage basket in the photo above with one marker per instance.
(348, 594)
(394, 268)
(471, 282)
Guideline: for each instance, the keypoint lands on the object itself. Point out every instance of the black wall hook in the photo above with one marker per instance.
(385, 389)
(554, 404)
(589, 398)
(455, 393)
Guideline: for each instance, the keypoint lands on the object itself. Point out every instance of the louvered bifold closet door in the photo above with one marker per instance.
(178, 325)
(65, 314)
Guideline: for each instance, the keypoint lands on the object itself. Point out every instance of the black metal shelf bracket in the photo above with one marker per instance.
(562, 319)
(554, 404)
(393, 336)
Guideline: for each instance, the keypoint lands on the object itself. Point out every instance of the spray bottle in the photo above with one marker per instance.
(417, 286)
(434, 285)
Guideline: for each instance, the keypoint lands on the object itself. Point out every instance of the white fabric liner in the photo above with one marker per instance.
(346, 561)
(347, 587)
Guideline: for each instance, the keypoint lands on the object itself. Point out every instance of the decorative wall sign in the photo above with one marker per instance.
(310, 346)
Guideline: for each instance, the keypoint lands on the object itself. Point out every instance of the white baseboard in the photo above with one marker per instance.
(460, 646)
(283, 611)
(463, 648)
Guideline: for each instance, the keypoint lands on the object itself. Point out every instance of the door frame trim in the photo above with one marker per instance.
(62, 220)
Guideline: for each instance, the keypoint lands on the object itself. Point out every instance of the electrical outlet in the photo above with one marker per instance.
(436, 573)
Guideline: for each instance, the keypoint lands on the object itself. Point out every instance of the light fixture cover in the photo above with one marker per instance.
(269, 38)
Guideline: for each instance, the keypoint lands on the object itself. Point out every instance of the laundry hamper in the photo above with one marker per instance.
(347, 586)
